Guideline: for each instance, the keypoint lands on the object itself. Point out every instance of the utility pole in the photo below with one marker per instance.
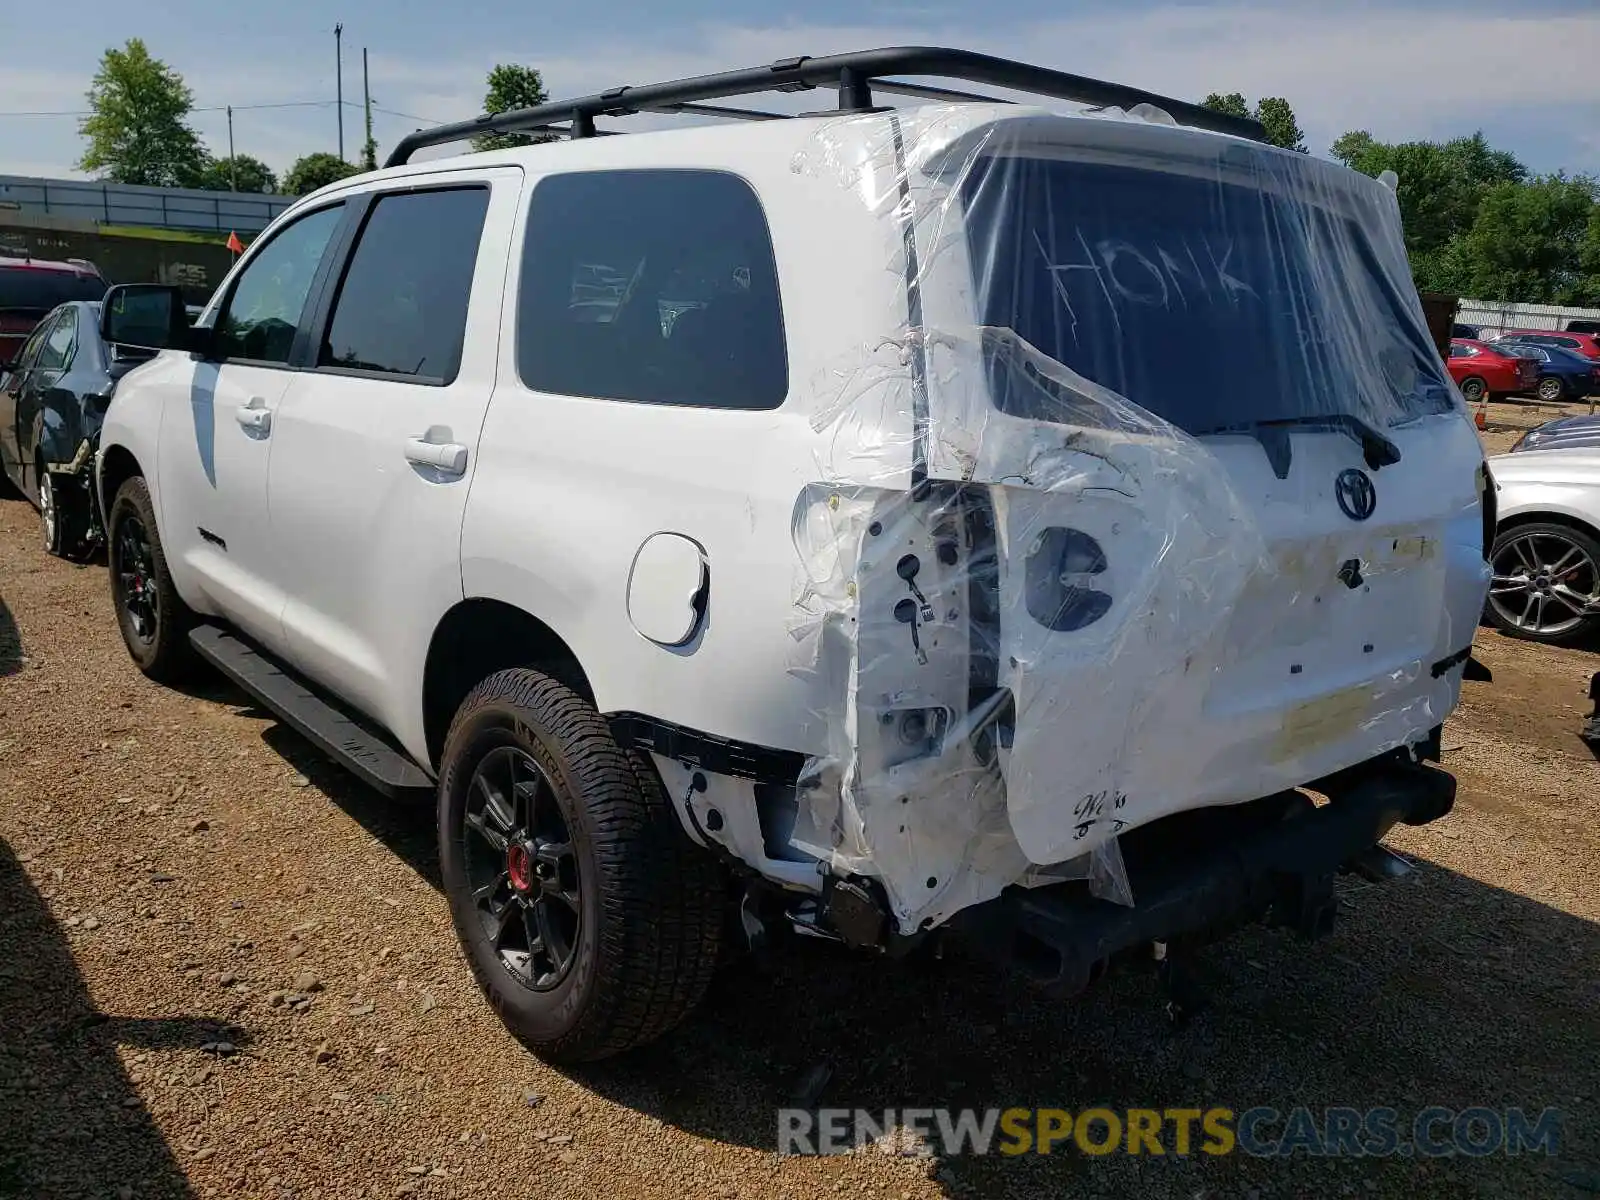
(338, 75)
(369, 148)
(233, 163)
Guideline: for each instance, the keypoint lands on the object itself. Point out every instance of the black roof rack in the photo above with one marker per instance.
(855, 75)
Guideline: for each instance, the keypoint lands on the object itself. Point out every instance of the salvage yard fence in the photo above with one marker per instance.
(1493, 316)
(190, 209)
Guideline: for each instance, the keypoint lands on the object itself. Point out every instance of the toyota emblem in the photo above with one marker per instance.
(1355, 493)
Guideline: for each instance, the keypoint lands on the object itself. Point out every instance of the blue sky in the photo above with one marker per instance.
(1527, 73)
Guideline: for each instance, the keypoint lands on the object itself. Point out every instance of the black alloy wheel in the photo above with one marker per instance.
(522, 869)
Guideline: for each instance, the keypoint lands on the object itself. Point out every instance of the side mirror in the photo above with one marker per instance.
(149, 315)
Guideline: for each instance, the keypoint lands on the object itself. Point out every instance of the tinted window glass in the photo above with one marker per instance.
(1214, 300)
(59, 342)
(29, 354)
(653, 286)
(402, 307)
(38, 290)
(269, 296)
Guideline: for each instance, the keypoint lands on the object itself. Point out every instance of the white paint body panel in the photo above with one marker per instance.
(1557, 482)
(366, 541)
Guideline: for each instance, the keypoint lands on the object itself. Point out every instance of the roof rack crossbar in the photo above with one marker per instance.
(924, 91)
(718, 110)
(854, 75)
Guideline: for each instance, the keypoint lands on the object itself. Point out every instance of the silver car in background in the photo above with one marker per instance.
(1546, 555)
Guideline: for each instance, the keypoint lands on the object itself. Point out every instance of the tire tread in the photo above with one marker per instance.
(660, 928)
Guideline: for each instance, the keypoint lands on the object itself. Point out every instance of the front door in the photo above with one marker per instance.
(375, 444)
(217, 439)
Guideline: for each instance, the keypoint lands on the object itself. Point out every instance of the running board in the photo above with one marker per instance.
(371, 758)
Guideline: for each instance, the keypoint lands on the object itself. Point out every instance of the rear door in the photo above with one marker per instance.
(12, 383)
(1234, 497)
(375, 444)
(55, 358)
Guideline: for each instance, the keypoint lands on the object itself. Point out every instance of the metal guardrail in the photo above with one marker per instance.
(127, 204)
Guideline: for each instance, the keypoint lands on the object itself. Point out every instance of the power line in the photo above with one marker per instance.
(207, 108)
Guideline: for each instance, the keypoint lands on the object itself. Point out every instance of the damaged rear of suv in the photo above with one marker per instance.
(883, 524)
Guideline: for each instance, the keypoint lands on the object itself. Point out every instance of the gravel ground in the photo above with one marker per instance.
(226, 969)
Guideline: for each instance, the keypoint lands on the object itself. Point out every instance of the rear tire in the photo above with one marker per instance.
(154, 620)
(589, 919)
(1551, 390)
(63, 511)
(1473, 389)
(1544, 576)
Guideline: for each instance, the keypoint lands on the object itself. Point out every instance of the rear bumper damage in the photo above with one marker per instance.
(1202, 873)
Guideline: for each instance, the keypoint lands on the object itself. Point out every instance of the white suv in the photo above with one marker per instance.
(878, 523)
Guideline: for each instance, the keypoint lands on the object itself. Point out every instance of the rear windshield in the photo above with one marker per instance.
(37, 290)
(1212, 302)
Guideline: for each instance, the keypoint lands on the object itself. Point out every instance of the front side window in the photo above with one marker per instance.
(59, 343)
(652, 286)
(402, 308)
(269, 297)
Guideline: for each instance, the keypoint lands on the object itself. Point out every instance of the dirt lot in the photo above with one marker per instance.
(171, 864)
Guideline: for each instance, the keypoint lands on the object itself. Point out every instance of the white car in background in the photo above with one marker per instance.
(1546, 555)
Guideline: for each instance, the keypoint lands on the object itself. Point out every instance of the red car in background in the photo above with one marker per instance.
(1586, 344)
(32, 287)
(1479, 370)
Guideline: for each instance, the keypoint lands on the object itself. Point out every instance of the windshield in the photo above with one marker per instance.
(38, 290)
(1215, 298)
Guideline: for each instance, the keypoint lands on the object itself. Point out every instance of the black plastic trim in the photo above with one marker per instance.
(368, 755)
(718, 755)
(853, 74)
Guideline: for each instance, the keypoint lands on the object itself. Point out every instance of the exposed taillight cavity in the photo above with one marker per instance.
(1062, 580)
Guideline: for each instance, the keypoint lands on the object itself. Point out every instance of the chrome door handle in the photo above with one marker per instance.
(450, 457)
(254, 416)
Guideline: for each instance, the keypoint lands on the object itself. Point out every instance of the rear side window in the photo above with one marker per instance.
(59, 342)
(402, 308)
(652, 286)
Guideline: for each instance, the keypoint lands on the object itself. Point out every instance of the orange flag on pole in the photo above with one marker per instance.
(234, 243)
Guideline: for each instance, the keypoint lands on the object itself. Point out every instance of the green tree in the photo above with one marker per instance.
(1532, 241)
(512, 86)
(1351, 146)
(241, 173)
(315, 171)
(1278, 119)
(1231, 105)
(1441, 187)
(137, 128)
(1274, 113)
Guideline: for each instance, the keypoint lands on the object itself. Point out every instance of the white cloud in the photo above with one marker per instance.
(1402, 73)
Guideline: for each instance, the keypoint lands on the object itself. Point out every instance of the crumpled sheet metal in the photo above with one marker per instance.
(927, 784)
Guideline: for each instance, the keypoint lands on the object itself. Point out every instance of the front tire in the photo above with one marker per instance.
(1552, 390)
(1546, 583)
(1473, 389)
(154, 620)
(589, 919)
